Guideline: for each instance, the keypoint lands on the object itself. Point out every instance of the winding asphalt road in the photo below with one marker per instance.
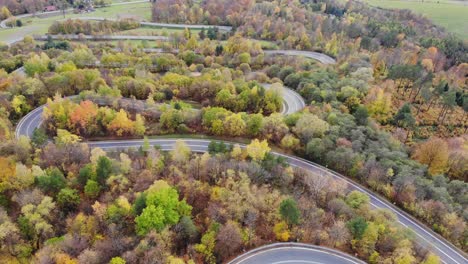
(292, 101)
(444, 249)
(294, 254)
(425, 237)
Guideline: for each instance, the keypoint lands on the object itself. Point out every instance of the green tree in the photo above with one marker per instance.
(404, 118)
(51, 182)
(357, 226)
(356, 199)
(187, 229)
(361, 114)
(289, 212)
(39, 137)
(68, 199)
(92, 189)
(139, 204)
(139, 125)
(35, 219)
(309, 126)
(37, 64)
(171, 119)
(103, 170)
(86, 173)
(254, 124)
(163, 208)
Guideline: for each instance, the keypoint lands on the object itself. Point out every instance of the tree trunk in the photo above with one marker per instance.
(430, 104)
(417, 93)
(419, 109)
(444, 116)
(410, 94)
(407, 134)
(441, 112)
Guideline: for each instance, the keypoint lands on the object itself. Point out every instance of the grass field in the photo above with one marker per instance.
(453, 15)
(36, 25)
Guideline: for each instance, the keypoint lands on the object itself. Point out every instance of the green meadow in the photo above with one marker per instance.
(452, 15)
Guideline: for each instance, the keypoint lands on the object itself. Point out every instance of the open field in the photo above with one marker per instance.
(36, 25)
(453, 15)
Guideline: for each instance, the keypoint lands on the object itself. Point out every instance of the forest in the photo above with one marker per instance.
(391, 115)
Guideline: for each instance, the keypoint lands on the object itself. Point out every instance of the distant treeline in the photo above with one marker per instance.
(77, 26)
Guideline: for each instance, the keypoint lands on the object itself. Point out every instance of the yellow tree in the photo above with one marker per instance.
(403, 254)
(139, 125)
(5, 13)
(434, 153)
(181, 152)
(379, 104)
(121, 125)
(234, 125)
(257, 150)
(332, 46)
(65, 137)
(431, 259)
(7, 170)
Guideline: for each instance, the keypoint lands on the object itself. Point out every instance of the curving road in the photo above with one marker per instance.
(292, 101)
(447, 252)
(325, 59)
(427, 238)
(444, 249)
(294, 253)
(424, 236)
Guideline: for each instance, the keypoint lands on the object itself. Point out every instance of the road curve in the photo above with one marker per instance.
(325, 59)
(294, 253)
(447, 252)
(292, 101)
(444, 249)
(424, 236)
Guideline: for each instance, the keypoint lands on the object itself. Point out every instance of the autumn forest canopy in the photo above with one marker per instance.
(391, 114)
